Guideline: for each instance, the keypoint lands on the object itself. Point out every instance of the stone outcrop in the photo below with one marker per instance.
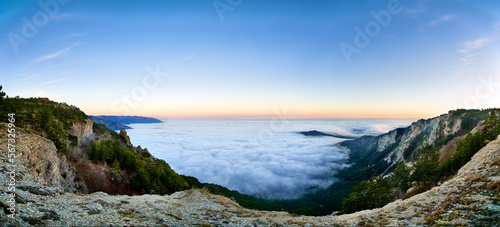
(83, 131)
(123, 133)
(41, 158)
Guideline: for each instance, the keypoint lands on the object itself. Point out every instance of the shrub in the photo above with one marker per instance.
(73, 139)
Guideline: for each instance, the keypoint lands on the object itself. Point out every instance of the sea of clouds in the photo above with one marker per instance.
(265, 158)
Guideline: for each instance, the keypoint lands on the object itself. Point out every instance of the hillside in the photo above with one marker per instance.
(471, 197)
(385, 151)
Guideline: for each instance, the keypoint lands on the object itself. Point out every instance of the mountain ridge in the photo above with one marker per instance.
(58, 168)
(404, 144)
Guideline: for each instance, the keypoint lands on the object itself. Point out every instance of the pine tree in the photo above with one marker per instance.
(43, 116)
(427, 166)
(491, 126)
(401, 176)
(2, 94)
(56, 134)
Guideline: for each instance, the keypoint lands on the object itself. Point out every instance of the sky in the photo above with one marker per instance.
(254, 58)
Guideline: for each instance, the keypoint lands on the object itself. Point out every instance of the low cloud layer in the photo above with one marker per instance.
(267, 159)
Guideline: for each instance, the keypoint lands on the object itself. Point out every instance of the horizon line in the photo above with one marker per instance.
(263, 117)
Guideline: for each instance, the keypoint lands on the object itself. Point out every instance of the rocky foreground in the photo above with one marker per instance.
(472, 197)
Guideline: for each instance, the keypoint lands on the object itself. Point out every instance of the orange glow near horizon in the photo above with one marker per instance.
(268, 110)
(288, 114)
(298, 109)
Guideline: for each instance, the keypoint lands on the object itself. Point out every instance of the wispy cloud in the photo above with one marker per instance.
(65, 15)
(170, 63)
(189, 57)
(468, 58)
(18, 75)
(54, 55)
(438, 21)
(56, 94)
(50, 56)
(419, 8)
(52, 82)
(470, 51)
(496, 27)
(65, 73)
(69, 36)
(29, 77)
(40, 93)
(471, 46)
(444, 18)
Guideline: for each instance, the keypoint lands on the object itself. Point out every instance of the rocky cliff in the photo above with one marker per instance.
(45, 163)
(382, 153)
(39, 155)
(83, 130)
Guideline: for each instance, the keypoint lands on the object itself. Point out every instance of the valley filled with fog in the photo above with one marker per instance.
(264, 158)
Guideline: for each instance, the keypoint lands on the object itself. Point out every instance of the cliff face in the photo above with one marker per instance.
(41, 158)
(385, 151)
(83, 130)
(44, 162)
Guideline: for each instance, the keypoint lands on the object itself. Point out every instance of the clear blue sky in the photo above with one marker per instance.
(254, 58)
